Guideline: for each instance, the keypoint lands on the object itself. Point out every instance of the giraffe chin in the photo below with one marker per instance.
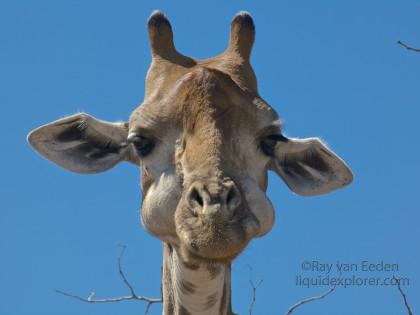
(216, 240)
(191, 256)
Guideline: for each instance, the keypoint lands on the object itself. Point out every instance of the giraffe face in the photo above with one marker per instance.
(204, 140)
(204, 170)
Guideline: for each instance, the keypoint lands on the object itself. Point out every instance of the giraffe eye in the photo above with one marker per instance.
(268, 144)
(143, 145)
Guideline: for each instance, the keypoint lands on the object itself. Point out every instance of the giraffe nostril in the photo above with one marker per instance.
(233, 198)
(230, 196)
(195, 196)
(195, 201)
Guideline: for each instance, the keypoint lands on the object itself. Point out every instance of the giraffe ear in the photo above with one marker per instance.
(309, 168)
(83, 144)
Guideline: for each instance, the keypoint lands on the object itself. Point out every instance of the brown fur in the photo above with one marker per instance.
(204, 140)
(210, 101)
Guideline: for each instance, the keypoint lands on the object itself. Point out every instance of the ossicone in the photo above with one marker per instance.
(160, 34)
(242, 35)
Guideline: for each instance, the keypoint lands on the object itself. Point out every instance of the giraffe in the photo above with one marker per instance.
(204, 140)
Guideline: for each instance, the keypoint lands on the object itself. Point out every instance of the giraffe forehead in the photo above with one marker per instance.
(201, 99)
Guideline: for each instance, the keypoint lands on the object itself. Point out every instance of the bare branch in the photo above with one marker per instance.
(254, 287)
(91, 300)
(311, 299)
(408, 47)
(123, 248)
(398, 280)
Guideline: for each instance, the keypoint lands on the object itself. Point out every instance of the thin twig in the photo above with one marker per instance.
(123, 248)
(91, 300)
(254, 290)
(311, 299)
(408, 47)
(398, 280)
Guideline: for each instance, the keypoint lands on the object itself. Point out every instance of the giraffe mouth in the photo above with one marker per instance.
(215, 240)
(196, 256)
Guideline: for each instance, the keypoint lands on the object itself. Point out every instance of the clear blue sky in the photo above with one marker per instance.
(331, 68)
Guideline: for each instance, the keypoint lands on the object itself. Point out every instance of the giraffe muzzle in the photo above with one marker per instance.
(214, 199)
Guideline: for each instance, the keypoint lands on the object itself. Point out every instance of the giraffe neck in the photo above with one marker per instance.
(194, 290)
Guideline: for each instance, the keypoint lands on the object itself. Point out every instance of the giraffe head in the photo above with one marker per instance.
(204, 140)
